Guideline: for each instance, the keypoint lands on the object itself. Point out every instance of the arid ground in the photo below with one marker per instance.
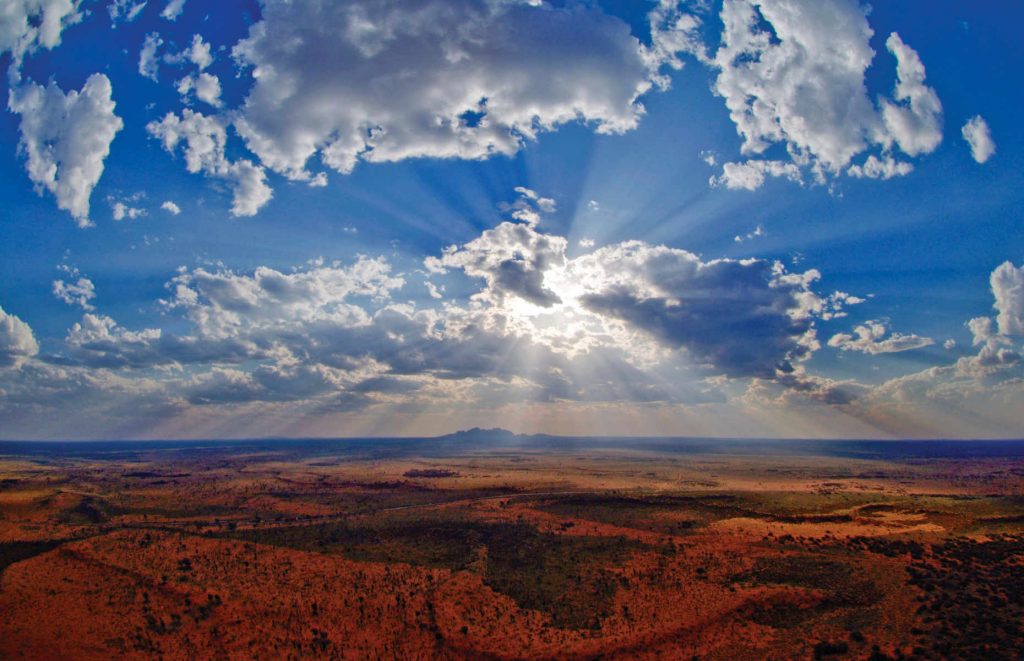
(486, 545)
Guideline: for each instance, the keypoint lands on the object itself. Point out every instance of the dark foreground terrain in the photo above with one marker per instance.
(488, 545)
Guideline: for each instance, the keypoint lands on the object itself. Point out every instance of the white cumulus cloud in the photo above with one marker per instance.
(119, 210)
(17, 342)
(206, 87)
(440, 78)
(125, 11)
(27, 24)
(148, 60)
(198, 53)
(792, 73)
(78, 290)
(870, 338)
(750, 175)
(1007, 283)
(916, 122)
(205, 139)
(66, 138)
(880, 168)
(749, 236)
(172, 10)
(979, 137)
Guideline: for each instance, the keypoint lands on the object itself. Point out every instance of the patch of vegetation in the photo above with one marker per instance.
(972, 598)
(557, 574)
(876, 508)
(973, 514)
(827, 648)
(842, 586)
(812, 518)
(89, 511)
(780, 504)
(186, 510)
(779, 615)
(646, 512)
(892, 548)
(564, 576)
(430, 472)
(12, 552)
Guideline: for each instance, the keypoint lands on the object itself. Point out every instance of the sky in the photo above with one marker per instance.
(735, 218)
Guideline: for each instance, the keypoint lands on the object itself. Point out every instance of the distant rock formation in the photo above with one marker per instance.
(495, 435)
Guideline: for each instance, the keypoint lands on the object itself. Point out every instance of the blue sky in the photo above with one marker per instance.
(739, 218)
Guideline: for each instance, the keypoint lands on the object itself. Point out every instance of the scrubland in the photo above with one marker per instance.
(283, 553)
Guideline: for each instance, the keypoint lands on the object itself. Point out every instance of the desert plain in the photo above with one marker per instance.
(487, 545)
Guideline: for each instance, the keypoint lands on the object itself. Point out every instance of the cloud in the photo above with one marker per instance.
(916, 123)
(995, 335)
(198, 53)
(28, 24)
(105, 400)
(629, 322)
(981, 329)
(78, 292)
(884, 168)
(870, 338)
(251, 191)
(978, 136)
(443, 78)
(792, 72)
(985, 389)
(66, 138)
(206, 87)
(171, 208)
(674, 31)
(1007, 282)
(738, 318)
(205, 139)
(148, 61)
(751, 174)
(528, 205)
(121, 209)
(99, 342)
(797, 389)
(512, 258)
(223, 303)
(757, 232)
(17, 342)
(124, 11)
(172, 10)
(800, 83)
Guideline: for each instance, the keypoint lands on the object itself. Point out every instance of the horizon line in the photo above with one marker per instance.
(625, 437)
